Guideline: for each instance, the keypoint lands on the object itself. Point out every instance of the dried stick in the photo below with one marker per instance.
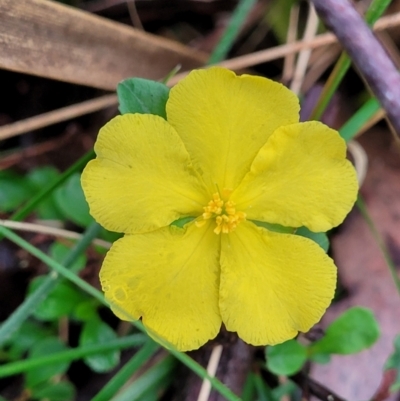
(56, 116)
(289, 61)
(213, 363)
(367, 53)
(312, 387)
(48, 230)
(304, 55)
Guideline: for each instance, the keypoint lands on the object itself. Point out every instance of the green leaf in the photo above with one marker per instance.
(38, 178)
(181, 222)
(274, 227)
(98, 332)
(288, 388)
(286, 358)
(86, 310)
(14, 190)
(72, 203)
(62, 391)
(60, 302)
(28, 334)
(323, 359)
(138, 95)
(394, 363)
(353, 331)
(45, 347)
(320, 238)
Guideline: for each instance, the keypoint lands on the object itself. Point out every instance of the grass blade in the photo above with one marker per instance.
(120, 378)
(236, 22)
(148, 380)
(18, 367)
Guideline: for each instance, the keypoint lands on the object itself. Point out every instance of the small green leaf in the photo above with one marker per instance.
(181, 222)
(14, 190)
(274, 227)
(86, 311)
(98, 332)
(46, 347)
(320, 238)
(72, 203)
(38, 178)
(353, 331)
(60, 302)
(138, 95)
(286, 358)
(28, 334)
(62, 391)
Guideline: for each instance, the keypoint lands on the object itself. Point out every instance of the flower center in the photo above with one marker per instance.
(224, 212)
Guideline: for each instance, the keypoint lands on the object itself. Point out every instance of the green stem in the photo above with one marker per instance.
(232, 30)
(12, 324)
(123, 375)
(331, 85)
(18, 367)
(379, 240)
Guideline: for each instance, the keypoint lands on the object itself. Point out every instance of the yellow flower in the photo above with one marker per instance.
(231, 153)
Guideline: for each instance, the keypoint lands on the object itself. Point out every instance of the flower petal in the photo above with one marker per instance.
(142, 178)
(300, 178)
(224, 120)
(272, 285)
(170, 278)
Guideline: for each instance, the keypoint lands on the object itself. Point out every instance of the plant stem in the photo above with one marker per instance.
(14, 368)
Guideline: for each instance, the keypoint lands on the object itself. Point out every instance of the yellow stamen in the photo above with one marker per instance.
(224, 212)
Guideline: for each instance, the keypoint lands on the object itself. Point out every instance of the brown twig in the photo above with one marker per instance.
(366, 52)
(56, 116)
(383, 391)
(312, 387)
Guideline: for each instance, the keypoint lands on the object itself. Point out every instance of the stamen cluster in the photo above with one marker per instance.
(224, 212)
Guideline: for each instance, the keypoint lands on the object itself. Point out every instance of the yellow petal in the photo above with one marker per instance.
(142, 178)
(224, 120)
(300, 178)
(273, 285)
(170, 278)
